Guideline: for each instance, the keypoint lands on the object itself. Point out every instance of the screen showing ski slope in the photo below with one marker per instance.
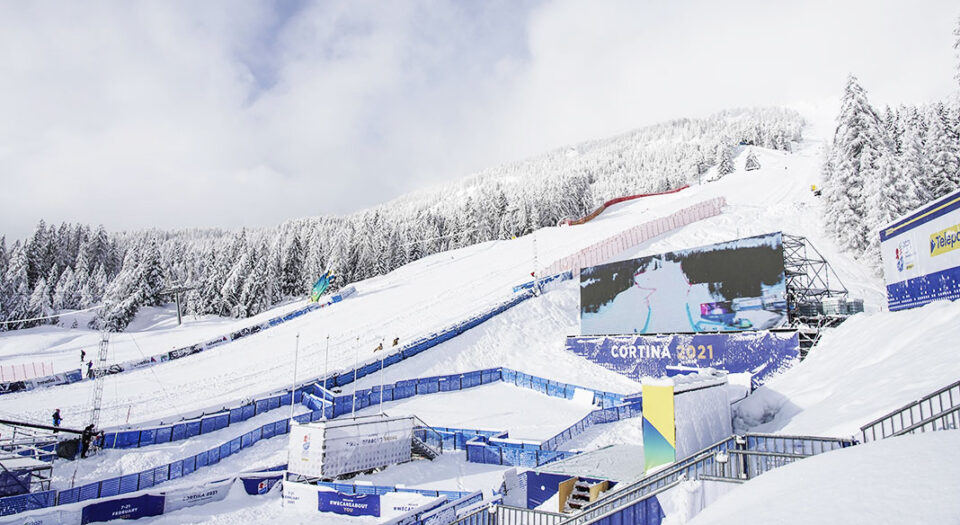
(735, 285)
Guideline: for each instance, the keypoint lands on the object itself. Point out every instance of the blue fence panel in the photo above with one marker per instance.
(471, 379)
(273, 403)
(161, 474)
(267, 431)
(249, 411)
(508, 376)
(129, 483)
(224, 451)
(392, 359)
(262, 406)
(221, 421)
(555, 390)
(110, 487)
(146, 479)
(208, 424)
(193, 429)
(66, 496)
(25, 502)
(284, 399)
(201, 459)
(178, 432)
(129, 439)
(189, 465)
(90, 491)
(283, 426)
(213, 456)
(236, 415)
(429, 385)
(246, 440)
(235, 445)
(176, 470)
(449, 383)
(163, 435)
(342, 405)
(404, 389)
(148, 437)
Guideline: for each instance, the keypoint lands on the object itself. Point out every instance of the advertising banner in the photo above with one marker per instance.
(305, 450)
(349, 504)
(124, 508)
(366, 444)
(921, 255)
(659, 431)
(200, 495)
(735, 285)
(301, 497)
(635, 356)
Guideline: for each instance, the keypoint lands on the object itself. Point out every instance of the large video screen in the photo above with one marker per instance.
(735, 285)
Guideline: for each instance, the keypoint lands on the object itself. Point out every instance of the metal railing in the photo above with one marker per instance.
(427, 436)
(507, 515)
(937, 411)
(737, 459)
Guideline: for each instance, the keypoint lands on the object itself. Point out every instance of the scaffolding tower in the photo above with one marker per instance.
(810, 280)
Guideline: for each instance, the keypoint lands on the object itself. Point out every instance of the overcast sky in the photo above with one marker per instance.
(230, 114)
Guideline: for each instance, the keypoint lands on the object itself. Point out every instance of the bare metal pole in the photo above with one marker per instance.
(326, 362)
(356, 366)
(293, 387)
(381, 375)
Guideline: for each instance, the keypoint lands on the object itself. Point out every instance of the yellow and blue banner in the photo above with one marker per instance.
(659, 427)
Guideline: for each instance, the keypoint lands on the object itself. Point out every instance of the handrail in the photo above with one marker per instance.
(908, 410)
(498, 514)
(931, 419)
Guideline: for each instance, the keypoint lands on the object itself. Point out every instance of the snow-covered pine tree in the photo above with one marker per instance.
(17, 286)
(724, 159)
(150, 275)
(291, 278)
(751, 163)
(942, 177)
(65, 292)
(39, 305)
(122, 299)
(914, 163)
(856, 149)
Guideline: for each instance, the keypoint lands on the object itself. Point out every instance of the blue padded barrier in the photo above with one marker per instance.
(176, 469)
(189, 465)
(161, 474)
(249, 411)
(89, 491)
(148, 437)
(163, 435)
(129, 483)
(146, 479)
(24, 502)
(193, 429)
(68, 496)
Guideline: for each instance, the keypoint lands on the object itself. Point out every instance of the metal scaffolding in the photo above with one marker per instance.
(810, 280)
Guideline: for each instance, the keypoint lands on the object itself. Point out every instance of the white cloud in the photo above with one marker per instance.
(242, 114)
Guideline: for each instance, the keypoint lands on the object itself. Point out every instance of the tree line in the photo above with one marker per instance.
(243, 273)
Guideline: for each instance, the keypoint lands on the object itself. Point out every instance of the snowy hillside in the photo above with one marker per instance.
(862, 369)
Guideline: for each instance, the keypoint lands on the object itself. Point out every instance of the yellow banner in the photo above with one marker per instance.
(945, 240)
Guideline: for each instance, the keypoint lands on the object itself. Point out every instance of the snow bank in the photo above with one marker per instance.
(907, 479)
(861, 370)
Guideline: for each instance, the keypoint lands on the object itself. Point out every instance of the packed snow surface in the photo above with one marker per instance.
(863, 369)
(907, 479)
(527, 414)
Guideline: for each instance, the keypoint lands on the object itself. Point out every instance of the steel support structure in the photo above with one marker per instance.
(810, 279)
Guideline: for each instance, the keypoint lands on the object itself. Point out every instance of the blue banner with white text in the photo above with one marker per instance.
(635, 356)
(349, 504)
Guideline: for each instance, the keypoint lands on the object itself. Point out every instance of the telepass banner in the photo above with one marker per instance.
(921, 255)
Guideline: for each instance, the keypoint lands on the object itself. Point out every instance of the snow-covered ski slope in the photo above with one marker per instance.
(874, 363)
(421, 297)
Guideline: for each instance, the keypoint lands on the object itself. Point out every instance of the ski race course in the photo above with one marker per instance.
(481, 359)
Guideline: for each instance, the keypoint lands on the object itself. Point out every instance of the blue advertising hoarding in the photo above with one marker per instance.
(921, 255)
(735, 285)
(123, 508)
(349, 504)
(635, 356)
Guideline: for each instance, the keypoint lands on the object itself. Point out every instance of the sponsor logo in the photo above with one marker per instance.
(906, 256)
(945, 240)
